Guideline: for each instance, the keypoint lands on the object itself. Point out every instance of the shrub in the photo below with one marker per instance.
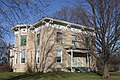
(6, 67)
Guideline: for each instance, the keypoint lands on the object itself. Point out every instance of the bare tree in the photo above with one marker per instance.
(47, 49)
(106, 22)
(76, 14)
(14, 12)
(4, 52)
(104, 16)
(64, 13)
(43, 48)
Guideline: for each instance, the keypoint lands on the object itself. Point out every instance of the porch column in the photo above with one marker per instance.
(71, 59)
(87, 61)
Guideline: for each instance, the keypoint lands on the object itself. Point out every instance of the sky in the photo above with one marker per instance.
(52, 8)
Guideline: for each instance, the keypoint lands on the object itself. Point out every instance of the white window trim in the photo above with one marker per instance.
(37, 55)
(21, 40)
(25, 57)
(61, 57)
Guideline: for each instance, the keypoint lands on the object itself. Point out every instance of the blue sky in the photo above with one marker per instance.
(52, 8)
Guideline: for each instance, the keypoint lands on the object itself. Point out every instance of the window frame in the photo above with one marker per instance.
(37, 57)
(21, 41)
(24, 56)
(74, 40)
(38, 39)
(59, 37)
(75, 63)
(60, 55)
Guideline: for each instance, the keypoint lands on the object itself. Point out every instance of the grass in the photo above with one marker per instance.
(54, 76)
(115, 75)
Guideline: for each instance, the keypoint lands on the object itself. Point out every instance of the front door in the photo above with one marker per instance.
(75, 61)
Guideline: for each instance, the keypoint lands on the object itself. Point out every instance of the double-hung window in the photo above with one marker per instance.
(23, 57)
(59, 37)
(23, 40)
(59, 56)
(37, 58)
(74, 40)
(38, 39)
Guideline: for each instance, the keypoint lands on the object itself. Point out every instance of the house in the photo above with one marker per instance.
(52, 45)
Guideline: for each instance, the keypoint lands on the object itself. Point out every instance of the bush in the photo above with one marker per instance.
(6, 67)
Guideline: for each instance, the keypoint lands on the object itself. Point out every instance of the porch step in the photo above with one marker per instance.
(81, 69)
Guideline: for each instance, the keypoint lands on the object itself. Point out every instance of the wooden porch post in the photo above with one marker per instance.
(71, 59)
(87, 61)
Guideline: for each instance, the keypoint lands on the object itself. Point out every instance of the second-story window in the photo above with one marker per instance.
(23, 40)
(38, 39)
(59, 37)
(74, 40)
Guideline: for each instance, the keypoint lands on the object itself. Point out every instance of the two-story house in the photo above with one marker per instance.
(51, 45)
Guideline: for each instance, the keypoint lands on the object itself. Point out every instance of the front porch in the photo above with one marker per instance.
(79, 60)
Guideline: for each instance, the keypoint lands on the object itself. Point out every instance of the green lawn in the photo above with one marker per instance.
(54, 76)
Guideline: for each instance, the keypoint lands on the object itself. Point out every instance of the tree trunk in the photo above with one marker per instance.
(106, 71)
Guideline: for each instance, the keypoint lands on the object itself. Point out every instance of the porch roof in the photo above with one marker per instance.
(77, 50)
